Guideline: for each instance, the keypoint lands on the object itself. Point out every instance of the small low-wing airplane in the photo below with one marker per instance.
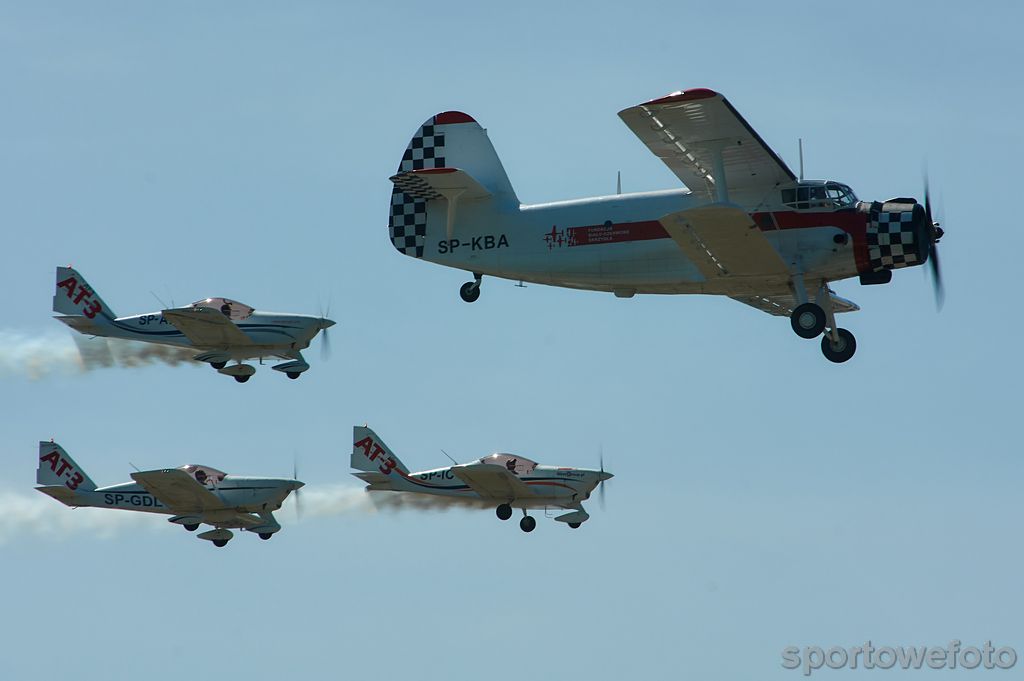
(746, 228)
(506, 480)
(222, 330)
(191, 494)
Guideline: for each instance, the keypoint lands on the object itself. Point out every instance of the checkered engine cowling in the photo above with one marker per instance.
(408, 224)
(897, 234)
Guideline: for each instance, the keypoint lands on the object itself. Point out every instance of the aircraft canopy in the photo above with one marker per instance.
(519, 465)
(232, 309)
(819, 194)
(203, 474)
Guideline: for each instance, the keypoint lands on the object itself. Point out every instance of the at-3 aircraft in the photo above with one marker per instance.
(191, 494)
(505, 480)
(221, 330)
(746, 228)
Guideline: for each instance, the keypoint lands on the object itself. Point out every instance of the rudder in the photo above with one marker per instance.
(370, 454)
(56, 467)
(73, 296)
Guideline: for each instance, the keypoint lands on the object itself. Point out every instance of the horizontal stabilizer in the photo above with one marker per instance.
(374, 479)
(61, 493)
(82, 324)
(435, 183)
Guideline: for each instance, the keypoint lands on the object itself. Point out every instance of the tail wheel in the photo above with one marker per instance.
(470, 291)
(808, 320)
(504, 512)
(841, 351)
(528, 523)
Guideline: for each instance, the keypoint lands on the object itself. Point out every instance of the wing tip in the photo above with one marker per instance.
(683, 96)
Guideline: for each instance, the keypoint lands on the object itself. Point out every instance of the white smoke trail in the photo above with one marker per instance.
(342, 499)
(38, 355)
(36, 515)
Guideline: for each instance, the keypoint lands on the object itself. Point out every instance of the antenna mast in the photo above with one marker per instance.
(801, 141)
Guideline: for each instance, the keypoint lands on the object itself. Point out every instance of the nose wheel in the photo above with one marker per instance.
(470, 291)
(528, 523)
(504, 512)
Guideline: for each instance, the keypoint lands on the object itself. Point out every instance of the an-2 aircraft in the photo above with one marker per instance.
(746, 228)
(191, 494)
(221, 330)
(505, 480)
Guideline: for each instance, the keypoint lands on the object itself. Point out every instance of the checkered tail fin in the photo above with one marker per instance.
(450, 139)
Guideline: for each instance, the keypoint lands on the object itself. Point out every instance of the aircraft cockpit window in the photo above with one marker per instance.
(232, 309)
(204, 474)
(517, 465)
(831, 195)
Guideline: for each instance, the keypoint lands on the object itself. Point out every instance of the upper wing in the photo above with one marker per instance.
(783, 306)
(178, 490)
(688, 129)
(492, 481)
(206, 326)
(722, 240)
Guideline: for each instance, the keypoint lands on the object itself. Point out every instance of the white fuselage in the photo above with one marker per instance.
(238, 494)
(271, 333)
(552, 486)
(615, 243)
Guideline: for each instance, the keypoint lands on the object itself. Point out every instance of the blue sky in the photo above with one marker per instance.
(763, 497)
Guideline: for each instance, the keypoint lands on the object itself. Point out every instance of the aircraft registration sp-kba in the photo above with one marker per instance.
(746, 228)
(222, 330)
(191, 494)
(505, 480)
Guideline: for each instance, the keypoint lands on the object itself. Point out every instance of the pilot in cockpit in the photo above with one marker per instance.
(511, 465)
(201, 476)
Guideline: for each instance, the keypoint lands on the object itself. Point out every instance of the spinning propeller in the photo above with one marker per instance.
(297, 491)
(600, 481)
(325, 324)
(934, 234)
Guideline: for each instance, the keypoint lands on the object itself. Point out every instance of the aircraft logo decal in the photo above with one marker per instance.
(605, 233)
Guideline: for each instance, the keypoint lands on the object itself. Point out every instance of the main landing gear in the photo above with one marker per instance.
(470, 291)
(527, 524)
(812, 319)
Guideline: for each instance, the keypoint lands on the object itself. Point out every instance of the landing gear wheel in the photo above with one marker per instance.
(220, 543)
(841, 351)
(241, 379)
(527, 523)
(191, 528)
(470, 291)
(293, 374)
(504, 512)
(808, 320)
(266, 535)
(575, 526)
(218, 365)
